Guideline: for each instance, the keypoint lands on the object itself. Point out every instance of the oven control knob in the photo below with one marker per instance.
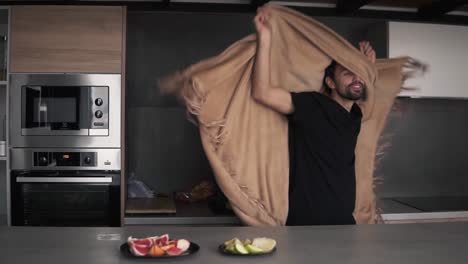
(87, 160)
(43, 160)
(98, 114)
(98, 101)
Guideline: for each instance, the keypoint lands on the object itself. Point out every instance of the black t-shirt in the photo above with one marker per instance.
(322, 139)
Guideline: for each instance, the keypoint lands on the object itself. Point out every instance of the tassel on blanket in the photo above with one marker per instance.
(413, 68)
(188, 93)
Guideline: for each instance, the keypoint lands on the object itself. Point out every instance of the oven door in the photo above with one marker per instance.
(55, 110)
(80, 198)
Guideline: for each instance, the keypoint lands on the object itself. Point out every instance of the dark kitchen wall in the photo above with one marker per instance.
(427, 153)
(164, 149)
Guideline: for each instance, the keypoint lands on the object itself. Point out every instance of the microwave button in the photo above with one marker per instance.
(98, 124)
(98, 101)
(98, 114)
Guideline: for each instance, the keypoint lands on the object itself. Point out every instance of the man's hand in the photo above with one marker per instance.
(263, 92)
(366, 49)
(261, 24)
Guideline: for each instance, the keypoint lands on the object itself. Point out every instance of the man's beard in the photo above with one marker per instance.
(349, 94)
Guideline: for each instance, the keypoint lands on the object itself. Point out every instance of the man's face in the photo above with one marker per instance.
(347, 84)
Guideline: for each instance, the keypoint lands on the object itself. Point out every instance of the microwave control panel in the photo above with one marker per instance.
(99, 107)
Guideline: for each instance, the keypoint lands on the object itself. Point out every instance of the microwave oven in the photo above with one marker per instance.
(65, 110)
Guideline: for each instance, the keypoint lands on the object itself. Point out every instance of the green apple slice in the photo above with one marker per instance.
(253, 249)
(240, 247)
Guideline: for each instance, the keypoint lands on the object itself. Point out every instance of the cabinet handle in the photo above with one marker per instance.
(65, 179)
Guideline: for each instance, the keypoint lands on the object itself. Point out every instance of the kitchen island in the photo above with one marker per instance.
(392, 244)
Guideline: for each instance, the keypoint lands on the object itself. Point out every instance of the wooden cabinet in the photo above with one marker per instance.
(85, 39)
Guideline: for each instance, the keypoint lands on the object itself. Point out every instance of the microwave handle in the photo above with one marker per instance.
(64, 179)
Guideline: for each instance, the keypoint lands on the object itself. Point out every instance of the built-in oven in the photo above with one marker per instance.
(65, 187)
(65, 110)
(65, 198)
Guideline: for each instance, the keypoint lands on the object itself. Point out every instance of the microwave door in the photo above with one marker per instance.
(54, 111)
(31, 107)
(35, 107)
(41, 113)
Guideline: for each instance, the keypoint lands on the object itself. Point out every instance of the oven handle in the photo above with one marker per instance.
(65, 179)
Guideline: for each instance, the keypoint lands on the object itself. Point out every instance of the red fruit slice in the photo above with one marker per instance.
(138, 250)
(139, 247)
(183, 244)
(162, 240)
(154, 239)
(143, 242)
(174, 251)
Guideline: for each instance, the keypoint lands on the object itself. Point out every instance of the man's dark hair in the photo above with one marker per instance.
(329, 72)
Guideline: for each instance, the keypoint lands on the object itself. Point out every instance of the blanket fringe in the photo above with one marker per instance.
(194, 100)
(413, 68)
(189, 93)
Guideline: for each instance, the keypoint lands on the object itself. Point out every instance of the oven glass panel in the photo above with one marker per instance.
(65, 204)
(36, 202)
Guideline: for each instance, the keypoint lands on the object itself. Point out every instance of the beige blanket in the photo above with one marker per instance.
(247, 143)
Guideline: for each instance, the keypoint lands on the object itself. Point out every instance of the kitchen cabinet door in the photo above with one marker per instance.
(72, 39)
(443, 47)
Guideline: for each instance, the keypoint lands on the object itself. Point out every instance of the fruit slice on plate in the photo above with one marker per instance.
(162, 240)
(156, 251)
(260, 245)
(240, 247)
(266, 245)
(174, 251)
(183, 244)
(139, 247)
(253, 249)
(157, 246)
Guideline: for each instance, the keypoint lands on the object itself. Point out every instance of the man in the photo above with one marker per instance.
(323, 129)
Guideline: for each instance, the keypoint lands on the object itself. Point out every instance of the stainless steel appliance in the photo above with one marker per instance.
(65, 187)
(65, 149)
(65, 110)
(60, 159)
